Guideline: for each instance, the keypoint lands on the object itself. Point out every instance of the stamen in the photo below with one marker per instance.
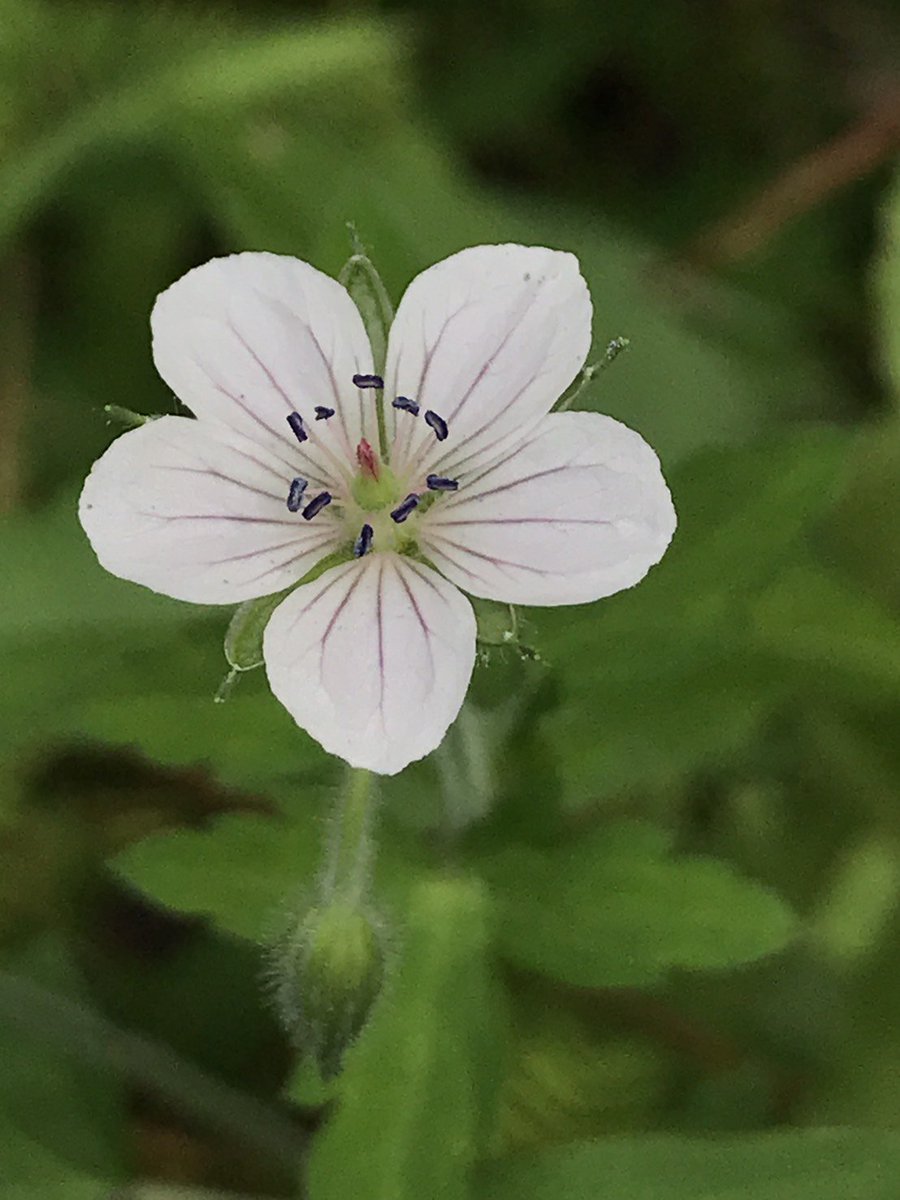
(368, 381)
(438, 424)
(323, 413)
(406, 405)
(295, 495)
(404, 508)
(316, 505)
(296, 423)
(364, 542)
(437, 483)
(367, 459)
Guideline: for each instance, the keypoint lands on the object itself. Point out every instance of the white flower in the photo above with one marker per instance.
(283, 466)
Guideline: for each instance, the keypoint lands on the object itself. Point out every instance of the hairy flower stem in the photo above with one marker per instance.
(351, 852)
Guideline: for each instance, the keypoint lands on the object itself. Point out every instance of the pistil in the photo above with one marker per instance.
(368, 460)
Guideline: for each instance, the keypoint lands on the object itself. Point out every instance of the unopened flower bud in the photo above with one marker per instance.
(244, 638)
(361, 279)
(327, 973)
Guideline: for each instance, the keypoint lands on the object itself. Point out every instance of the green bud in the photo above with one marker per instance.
(584, 380)
(328, 970)
(124, 416)
(361, 279)
(244, 637)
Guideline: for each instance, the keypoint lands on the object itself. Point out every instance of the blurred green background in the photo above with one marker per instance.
(645, 901)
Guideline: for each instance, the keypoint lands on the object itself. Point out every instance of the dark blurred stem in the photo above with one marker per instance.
(872, 140)
(17, 294)
(44, 1015)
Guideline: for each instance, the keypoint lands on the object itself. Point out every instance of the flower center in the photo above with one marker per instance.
(375, 486)
(377, 506)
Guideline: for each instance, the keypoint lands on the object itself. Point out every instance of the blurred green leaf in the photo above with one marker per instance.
(612, 908)
(417, 1091)
(830, 1164)
(669, 677)
(177, 74)
(240, 873)
(246, 871)
(61, 1123)
(250, 741)
(831, 630)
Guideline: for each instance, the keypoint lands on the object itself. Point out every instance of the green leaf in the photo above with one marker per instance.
(250, 741)
(835, 633)
(186, 77)
(614, 909)
(246, 870)
(417, 1087)
(61, 1122)
(820, 1164)
(69, 631)
(669, 677)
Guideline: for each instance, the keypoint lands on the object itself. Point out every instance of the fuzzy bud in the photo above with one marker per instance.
(361, 279)
(328, 970)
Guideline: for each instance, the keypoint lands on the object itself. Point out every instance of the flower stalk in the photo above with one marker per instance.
(348, 865)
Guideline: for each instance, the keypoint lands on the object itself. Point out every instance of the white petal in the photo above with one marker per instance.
(195, 511)
(578, 511)
(373, 659)
(488, 339)
(247, 339)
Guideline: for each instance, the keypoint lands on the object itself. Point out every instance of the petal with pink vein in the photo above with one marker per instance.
(196, 511)
(578, 511)
(373, 659)
(488, 339)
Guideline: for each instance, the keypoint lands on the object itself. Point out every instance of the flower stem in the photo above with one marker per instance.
(348, 866)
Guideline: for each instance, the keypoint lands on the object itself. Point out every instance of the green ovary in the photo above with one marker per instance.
(374, 494)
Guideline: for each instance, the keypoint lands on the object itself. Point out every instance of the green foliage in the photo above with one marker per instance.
(672, 676)
(810, 1165)
(613, 909)
(417, 1089)
(60, 1122)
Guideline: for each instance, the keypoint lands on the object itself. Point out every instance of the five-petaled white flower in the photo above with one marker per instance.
(479, 486)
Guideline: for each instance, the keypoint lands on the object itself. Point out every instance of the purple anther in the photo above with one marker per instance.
(407, 405)
(404, 508)
(438, 424)
(323, 413)
(437, 483)
(296, 423)
(368, 381)
(295, 495)
(316, 505)
(363, 543)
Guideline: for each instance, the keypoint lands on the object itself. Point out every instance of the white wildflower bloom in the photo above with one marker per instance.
(478, 486)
